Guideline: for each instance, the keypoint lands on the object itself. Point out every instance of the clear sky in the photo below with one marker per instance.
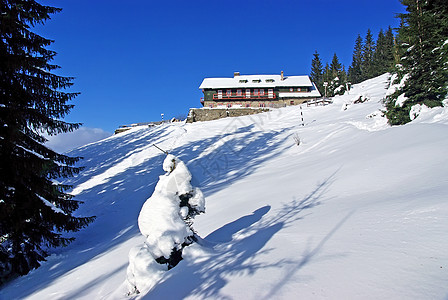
(136, 59)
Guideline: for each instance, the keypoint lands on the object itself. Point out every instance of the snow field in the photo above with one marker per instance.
(356, 211)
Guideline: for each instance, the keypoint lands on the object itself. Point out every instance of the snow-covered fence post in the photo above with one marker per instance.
(165, 220)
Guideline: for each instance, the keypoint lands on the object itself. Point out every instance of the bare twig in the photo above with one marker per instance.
(166, 152)
(296, 138)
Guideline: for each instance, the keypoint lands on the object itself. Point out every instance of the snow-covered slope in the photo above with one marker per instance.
(356, 211)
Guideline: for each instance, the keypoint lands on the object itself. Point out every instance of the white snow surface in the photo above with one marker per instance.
(356, 211)
(161, 222)
(255, 81)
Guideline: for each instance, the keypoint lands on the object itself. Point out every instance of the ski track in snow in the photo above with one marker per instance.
(356, 211)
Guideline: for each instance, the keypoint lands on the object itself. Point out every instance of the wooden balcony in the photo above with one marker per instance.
(244, 96)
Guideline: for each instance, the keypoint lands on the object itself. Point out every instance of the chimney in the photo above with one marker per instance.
(236, 74)
(281, 76)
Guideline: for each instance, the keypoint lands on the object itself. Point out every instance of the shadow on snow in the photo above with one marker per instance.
(117, 200)
(237, 248)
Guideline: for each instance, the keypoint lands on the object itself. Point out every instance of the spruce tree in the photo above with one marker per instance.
(338, 77)
(34, 209)
(383, 57)
(316, 74)
(379, 56)
(423, 38)
(389, 55)
(367, 70)
(354, 71)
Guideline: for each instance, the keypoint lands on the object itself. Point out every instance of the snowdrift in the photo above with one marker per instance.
(356, 211)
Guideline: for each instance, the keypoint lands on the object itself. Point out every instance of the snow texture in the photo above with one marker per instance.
(254, 81)
(162, 223)
(356, 211)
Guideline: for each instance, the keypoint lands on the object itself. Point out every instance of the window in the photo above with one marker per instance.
(261, 92)
(299, 89)
(239, 93)
(247, 93)
(262, 105)
(229, 104)
(229, 93)
(247, 104)
(271, 93)
(219, 94)
(291, 89)
(256, 92)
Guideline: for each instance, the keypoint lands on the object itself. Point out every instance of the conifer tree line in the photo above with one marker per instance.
(370, 58)
(423, 66)
(35, 211)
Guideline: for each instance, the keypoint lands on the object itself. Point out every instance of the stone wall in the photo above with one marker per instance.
(206, 114)
(282, 102)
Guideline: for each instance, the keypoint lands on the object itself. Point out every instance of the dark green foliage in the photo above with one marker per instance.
(423, 49)
(379, 56)
(354, 71)
(316, 74)
(383, 58)
(371, 59)
(335, 66)
(338, 77)
(34, 210)
(367, 66)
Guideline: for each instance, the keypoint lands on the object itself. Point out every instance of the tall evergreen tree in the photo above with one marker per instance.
(379, 56)
(423, 37)
(338, 77)
(34, 209)
(383, 57)
(389, 55)
(316, 74)
(354, 71)
(335, 66)
(367, 70)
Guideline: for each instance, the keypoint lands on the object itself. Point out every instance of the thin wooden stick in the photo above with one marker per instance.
(166, 152)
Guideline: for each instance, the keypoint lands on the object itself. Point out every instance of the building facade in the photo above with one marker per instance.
(257, 91)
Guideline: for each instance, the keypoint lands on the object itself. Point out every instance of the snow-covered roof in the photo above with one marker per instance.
(312, 93)
(254, 81)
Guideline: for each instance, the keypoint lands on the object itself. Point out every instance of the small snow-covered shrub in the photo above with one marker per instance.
(165, 220)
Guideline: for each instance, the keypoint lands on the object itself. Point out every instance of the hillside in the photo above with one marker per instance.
(356, 211)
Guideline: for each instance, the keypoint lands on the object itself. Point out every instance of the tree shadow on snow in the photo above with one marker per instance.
(214, 162)
(217, 162)
(237, 249)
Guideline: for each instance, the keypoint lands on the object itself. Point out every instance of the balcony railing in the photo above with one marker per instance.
(243, 96)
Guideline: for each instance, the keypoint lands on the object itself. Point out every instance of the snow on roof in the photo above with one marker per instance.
(248, 81)
(312, 93)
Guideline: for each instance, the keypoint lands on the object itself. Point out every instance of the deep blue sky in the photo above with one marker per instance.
(136, 59)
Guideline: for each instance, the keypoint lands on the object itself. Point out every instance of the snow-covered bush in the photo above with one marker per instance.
(166, 222)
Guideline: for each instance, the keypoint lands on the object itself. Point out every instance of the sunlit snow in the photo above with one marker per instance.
(356, 211)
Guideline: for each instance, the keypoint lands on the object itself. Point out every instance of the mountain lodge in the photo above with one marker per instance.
(257, 91)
